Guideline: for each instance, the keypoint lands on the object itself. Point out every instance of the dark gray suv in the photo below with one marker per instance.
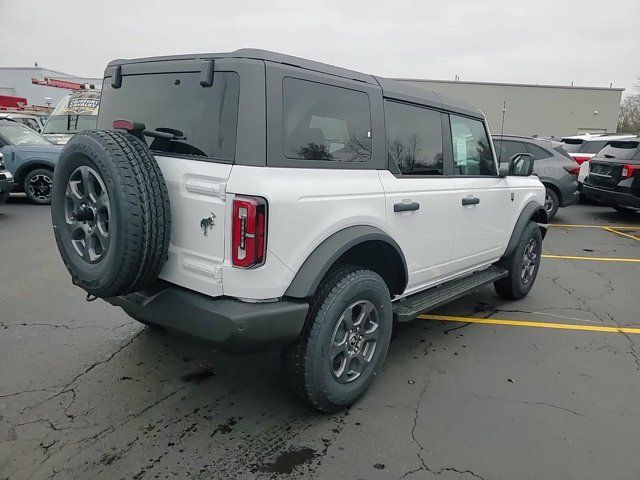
(557, 171)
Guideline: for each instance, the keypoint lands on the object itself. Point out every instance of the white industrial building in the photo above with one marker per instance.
(16, 82)
(543, 110)
(519, 109)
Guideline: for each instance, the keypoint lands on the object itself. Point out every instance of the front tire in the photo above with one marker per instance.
(344, 341)
(38, 185)
(523, 265)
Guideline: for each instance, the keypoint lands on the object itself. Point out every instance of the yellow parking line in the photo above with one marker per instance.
(613, 230)
(617, 227)
(595, 259)
(522, 323)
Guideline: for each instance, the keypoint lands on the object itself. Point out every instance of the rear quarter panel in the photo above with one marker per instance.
(305, 207)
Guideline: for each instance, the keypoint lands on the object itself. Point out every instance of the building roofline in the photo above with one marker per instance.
(47, 69)
(570, 87)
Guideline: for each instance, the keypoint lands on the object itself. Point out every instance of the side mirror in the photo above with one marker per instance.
(521, 165)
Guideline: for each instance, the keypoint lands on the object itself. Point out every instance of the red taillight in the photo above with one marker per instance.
(629, 170)
(248, 231)
(580, 160)
(123, 125)
(573, 169)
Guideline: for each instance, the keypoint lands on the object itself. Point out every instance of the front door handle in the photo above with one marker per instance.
(470, 201)
(406, 207)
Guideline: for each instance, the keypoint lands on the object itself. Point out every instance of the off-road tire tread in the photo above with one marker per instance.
(509, 287)
(146, 215)
(297, 377)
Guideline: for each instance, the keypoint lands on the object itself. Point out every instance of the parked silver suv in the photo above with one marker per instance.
(557, 171)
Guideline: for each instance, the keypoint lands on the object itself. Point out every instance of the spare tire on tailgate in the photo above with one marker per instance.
(111, 213)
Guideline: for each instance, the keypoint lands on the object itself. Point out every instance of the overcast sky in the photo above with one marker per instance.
(522, 41)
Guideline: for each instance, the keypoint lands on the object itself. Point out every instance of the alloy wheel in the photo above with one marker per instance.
(39, 187)
(529, 261)
(354, 341)
(87, 213)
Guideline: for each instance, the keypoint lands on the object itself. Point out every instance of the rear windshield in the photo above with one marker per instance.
(629, 150)
(205, 117)
(572, 145)
(592, 146)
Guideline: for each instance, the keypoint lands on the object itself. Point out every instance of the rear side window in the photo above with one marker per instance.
(471, 149)
(538, 153)
(414, 139)
(325, 122)
(206, 117)
(505, 149)
(560, 149)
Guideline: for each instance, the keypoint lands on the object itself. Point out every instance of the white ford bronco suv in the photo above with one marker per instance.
(258, 201)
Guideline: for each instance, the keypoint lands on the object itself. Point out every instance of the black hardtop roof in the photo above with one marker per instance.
(390, 88)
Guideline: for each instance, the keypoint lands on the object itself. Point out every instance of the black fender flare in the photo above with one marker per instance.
(318, 263)
(530, 210)
(29, 165)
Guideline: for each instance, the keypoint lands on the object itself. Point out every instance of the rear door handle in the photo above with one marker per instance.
(406, 207)
(470, 201)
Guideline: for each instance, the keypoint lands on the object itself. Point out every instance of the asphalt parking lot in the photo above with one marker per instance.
(546, 387)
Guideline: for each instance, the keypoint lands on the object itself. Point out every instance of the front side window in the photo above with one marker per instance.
(414, 139)
(505, 149)
(471, 148)
(324, 122)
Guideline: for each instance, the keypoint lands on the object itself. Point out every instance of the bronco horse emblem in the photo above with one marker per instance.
(207, 223)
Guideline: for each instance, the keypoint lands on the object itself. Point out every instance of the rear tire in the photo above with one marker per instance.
(337, 356)
(523, 265)
(551, 203)
(38, 186)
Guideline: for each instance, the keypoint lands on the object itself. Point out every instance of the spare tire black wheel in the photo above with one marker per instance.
(111, 213)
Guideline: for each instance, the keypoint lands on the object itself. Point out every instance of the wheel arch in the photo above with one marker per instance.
(362, 245)
(532, 211)
(26, 167)
(553, 185)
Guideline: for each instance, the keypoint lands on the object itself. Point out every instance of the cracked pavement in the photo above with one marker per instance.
(86, 392)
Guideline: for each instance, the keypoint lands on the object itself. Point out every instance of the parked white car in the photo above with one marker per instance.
(259, 201)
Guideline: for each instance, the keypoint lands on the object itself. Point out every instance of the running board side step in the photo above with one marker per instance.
(410, 307)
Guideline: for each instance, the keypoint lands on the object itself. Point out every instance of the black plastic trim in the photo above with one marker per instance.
(525, 217)
(315, 267)
(227, 324)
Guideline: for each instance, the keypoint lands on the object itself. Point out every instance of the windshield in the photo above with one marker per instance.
(20, 135)
(70, 123)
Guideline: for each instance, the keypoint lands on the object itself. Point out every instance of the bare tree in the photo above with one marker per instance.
(629, 118)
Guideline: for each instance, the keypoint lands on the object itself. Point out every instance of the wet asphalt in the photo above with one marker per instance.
(86, 392)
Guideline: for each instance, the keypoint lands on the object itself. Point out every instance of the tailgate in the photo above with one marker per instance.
(605, 175)
(198, 209)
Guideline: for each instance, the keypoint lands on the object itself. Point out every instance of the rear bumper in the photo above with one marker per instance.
(571, 198)
(227, 324)
(610, 197)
